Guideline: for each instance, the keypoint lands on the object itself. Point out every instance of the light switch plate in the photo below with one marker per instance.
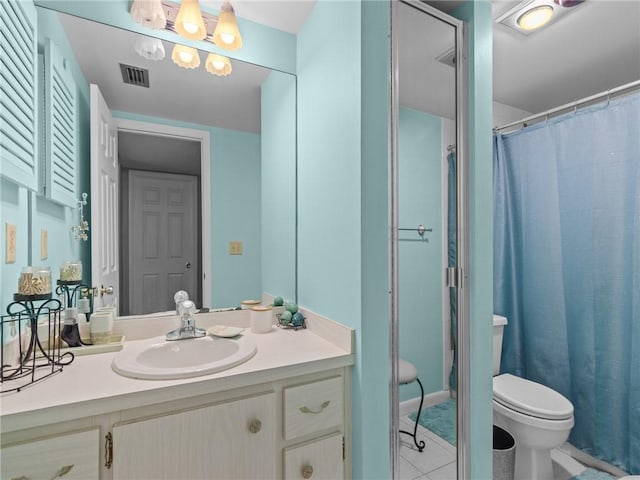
(44, 244)
(235, 248)
(10, 241)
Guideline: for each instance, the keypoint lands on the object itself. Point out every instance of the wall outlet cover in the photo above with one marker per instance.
(10, 240)
(44, 244)
(235, 248)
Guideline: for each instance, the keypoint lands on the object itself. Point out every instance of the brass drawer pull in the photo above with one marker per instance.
(255, 426)
(307, 471)
(322, 407)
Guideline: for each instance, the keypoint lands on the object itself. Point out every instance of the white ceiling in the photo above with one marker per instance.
(595, 48)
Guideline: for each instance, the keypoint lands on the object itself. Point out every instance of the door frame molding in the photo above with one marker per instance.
(204, 137)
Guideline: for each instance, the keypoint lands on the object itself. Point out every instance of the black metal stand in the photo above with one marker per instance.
(36, 356)
(70, 288)
(419, 445)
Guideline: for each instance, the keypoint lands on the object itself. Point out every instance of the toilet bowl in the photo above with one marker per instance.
(538, 417)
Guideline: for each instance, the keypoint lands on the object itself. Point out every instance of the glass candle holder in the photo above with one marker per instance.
(35, 281)
(71, 271)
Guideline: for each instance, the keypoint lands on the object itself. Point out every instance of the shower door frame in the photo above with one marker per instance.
(457, 278)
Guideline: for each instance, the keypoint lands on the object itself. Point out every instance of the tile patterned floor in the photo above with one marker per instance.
(436, 462)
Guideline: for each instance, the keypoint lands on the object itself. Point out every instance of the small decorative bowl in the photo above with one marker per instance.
(291, 325)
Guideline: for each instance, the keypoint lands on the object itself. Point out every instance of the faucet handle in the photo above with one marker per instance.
(187, 308)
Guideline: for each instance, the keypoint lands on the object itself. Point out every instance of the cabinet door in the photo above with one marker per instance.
(318, 460)
(230, 440)
(19, 92)
(73, 456)
(60, 171)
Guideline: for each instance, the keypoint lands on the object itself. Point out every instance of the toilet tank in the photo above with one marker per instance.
(498, 327)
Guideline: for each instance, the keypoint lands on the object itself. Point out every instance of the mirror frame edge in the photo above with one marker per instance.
(463, 404)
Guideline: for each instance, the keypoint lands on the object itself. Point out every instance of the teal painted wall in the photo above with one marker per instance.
(343, 115)
(420, 262)
(235, 210)
(278, 182)
(14, 203)
(281, 54)
(373, 368)
(477, 14)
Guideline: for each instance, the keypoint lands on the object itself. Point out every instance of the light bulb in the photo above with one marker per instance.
(535, 18)
(186, 57)
(190, 27)
(227, 38)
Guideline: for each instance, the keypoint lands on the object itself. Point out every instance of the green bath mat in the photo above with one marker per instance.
(441, 420)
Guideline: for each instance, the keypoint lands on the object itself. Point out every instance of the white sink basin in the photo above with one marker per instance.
(157, 359)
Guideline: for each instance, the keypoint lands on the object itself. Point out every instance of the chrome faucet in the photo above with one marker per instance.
(180, 297)
(188, 327)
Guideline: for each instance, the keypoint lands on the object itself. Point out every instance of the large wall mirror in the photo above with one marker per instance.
(427, 128)
(204, 197)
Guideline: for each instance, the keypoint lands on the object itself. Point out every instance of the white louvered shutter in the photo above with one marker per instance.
(18, 92)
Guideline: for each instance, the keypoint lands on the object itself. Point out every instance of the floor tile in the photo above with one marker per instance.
(407, 471)
(448, 472)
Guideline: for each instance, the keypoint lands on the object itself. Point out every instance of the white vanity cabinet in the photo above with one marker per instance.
(314, 429)
(70, 456)
(235, 439)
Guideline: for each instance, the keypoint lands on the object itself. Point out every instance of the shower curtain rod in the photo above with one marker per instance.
(572, 106)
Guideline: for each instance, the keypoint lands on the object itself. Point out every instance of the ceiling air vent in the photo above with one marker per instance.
(135, 75)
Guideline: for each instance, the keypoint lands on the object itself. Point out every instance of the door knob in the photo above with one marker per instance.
(188, 264)
(106, 290)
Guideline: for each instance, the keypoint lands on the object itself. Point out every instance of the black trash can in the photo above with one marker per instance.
(504, 454)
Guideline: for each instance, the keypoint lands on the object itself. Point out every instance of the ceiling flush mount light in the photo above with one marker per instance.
(149, 48)
(185, 57)
(227, 34)
(535, 17)
(149, 13)
(530, 15)
(189, 23)
(218, 65)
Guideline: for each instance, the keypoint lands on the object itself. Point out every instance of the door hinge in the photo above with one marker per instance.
(108, 450)
(343, 455)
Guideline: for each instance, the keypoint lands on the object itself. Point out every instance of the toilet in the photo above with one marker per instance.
(538, 417)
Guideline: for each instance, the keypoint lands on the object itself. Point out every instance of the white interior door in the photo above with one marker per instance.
(163, 240)
(104, 202)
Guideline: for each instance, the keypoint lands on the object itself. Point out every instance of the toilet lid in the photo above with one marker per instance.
(530, 398)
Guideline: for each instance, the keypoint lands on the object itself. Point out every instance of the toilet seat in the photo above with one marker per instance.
(530, 398)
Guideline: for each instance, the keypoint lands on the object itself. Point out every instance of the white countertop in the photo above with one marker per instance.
(89, 386)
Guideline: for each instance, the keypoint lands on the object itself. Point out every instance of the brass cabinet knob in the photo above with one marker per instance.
(255, 426)
(307, 471)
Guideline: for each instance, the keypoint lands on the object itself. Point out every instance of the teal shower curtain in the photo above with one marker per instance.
(567, 268)
(451, 262)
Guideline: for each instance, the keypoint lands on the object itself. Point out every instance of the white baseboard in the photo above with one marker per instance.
(431, 399)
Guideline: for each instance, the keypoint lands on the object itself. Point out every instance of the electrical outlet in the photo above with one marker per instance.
(235, 248)
(10, 243)
(44, 244)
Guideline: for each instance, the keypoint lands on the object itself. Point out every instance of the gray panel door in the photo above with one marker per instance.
(163, 239)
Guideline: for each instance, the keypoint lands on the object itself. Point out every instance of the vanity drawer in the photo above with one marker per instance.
(72, 456)
(318, 460)
(313, 407)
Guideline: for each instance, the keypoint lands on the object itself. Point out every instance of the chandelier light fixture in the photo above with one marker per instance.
(148, 13)
(189, 23)
(185, 57)
(218, 65)
(227, 34)
(149, 48)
